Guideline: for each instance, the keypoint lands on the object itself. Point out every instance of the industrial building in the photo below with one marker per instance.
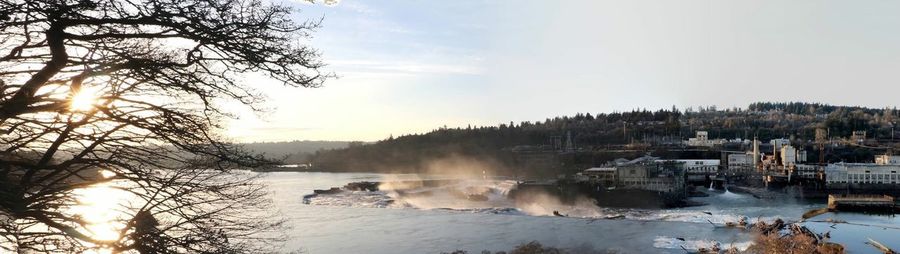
(861, 175)
(652, 175)
(644, 173)
(699, 170)
(702, 139)
(605, 176)
(741, 163)
(887, 160)
(809, 172)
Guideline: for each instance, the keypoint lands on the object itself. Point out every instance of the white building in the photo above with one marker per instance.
(739, 141)
(887, 160)
(740, 159)
(700, 166)
(702, 135)
(836, 174)
(788, 156)
(805, 171)
(862, 173)
(702, 139)
(697, 170)
(780, 142)
(740, 163)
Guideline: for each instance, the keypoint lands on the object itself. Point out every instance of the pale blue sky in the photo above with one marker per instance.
(412, 66)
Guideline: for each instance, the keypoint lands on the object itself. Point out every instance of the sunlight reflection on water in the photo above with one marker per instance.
(103, 208)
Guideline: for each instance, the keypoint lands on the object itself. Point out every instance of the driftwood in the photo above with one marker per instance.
(814, 213)
(884, 249)
(797, 229)
(766, 228)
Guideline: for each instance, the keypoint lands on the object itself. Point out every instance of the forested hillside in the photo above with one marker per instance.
(599, 133)
(294, 151)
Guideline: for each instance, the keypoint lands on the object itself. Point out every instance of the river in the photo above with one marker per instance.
(363, 223)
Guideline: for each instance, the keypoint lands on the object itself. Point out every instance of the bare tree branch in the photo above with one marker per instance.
(154, 73)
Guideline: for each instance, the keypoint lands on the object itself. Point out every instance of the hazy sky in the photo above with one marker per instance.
(412, 66)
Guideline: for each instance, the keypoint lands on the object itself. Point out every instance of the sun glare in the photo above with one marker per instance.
(103, 209)
(99, 206)
(107, 173)
(84, 99)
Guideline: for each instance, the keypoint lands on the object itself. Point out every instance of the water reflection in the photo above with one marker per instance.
(104, 209)
(853, 230)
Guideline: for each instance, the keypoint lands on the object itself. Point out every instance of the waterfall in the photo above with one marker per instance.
(711, 185)
(730, 195)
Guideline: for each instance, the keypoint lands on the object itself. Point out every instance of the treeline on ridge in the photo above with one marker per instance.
(598, 133)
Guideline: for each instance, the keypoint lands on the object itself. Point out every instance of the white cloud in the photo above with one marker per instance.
(407, 67)
(357, 7)
(325, 2)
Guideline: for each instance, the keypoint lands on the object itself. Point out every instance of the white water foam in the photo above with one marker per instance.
(731, 195)
(355, 199)
(413, 195)
(685, 216)
(473, 230)
(664, 242)
(447, 198)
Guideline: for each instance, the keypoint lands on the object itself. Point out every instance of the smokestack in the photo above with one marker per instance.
(755, 152)
(775, 148)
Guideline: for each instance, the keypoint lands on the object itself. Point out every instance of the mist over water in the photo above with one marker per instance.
(327, 223)
(389, 222)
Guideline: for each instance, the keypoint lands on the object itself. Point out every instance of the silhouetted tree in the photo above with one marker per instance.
(135, 88)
